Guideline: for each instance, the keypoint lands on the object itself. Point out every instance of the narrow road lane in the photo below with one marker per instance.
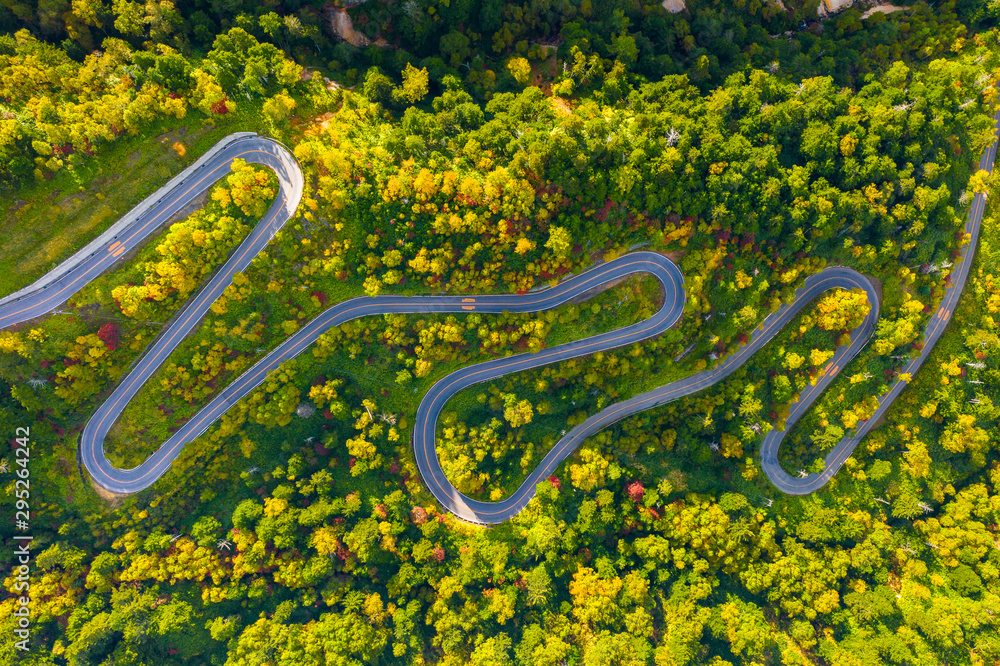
(56, 287)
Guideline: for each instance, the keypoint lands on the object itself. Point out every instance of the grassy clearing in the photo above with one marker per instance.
(46, 222)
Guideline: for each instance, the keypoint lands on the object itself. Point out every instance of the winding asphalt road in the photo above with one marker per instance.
(839, 454)
(56, 287)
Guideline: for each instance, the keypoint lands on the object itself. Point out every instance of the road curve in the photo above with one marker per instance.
(839, 454)
(55, 288)
(58, 285)
(496, 512)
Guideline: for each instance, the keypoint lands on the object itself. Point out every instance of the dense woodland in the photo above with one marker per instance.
(487, 146)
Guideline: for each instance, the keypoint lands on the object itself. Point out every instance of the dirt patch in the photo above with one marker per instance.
(673, 255)
(561, 106)
(877, 284)
(590, 293)
(319, 123)
(100, 183)
(115, 499)
(168, 137)
(547, 69)
(884, 9)
(827, 7)
(341, 24)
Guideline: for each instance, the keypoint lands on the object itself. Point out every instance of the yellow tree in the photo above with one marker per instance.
(415, 85)
(520, 69)
(891, 334)
(326, 394)
(591, 471)
(208, 94)
(250, 188)
(842, 309)
(517, 413)
(560, 242)
(279, 107)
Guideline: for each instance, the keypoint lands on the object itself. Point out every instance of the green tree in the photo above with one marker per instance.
(538, 585)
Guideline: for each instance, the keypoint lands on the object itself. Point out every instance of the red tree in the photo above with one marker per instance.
(220, 106)
(109, 335)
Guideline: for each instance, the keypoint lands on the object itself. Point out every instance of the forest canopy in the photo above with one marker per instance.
(484, 146)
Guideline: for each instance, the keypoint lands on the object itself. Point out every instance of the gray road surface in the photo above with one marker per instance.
(58, 287)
